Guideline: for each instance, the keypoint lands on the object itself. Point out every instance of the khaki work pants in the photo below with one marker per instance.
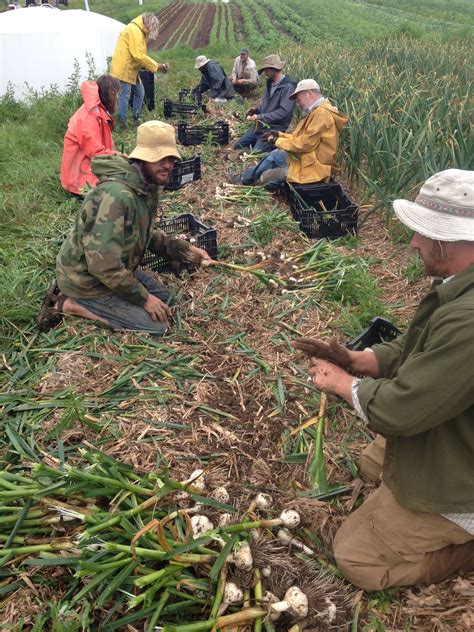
(382, 544)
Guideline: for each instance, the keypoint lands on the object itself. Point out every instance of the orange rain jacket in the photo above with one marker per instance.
(312, 146)
(89, 133)
(130, 53)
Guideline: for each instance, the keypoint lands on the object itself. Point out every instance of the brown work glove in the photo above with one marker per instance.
(251, 111)
(163, 68)
(332, 350)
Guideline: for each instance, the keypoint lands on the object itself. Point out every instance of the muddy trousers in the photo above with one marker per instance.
(382, 544)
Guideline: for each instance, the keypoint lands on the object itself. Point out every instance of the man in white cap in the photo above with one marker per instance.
(97, 267)
(306, 155)
(244, 73)
(213, 79)
(418, 395)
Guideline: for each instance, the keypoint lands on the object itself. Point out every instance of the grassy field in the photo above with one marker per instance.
(223, 391)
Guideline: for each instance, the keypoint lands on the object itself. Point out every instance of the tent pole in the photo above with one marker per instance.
(86, 3)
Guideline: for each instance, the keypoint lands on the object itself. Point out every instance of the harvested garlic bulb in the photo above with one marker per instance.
(298, 602)
(224, 519)
(287, 539)
(200, 525)
(242, 556)
(263, 501)
(290, 518)
(221, 495)
(197, 480)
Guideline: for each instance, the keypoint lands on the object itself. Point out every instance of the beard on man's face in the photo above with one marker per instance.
(158, 173)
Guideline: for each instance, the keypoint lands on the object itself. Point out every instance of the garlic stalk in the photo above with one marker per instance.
(288, 540)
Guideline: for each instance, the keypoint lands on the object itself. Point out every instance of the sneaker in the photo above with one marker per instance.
(235, 178)
(277, 175)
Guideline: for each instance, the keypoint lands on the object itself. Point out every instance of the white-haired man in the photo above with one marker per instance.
(418, 395)
(306, 155)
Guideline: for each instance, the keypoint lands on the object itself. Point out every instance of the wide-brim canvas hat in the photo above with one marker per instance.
(305, 84)
(444, 208)
(271, 61)
(201, 61)
(155, 141)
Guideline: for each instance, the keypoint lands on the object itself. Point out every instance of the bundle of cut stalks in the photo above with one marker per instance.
(144, 549)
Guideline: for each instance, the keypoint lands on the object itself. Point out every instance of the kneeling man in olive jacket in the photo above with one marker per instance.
(418, 395)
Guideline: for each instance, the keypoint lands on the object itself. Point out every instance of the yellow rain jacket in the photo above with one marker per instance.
(312, 146)
(130, 53)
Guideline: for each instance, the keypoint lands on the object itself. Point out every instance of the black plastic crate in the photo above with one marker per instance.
(218, 133)
(379, 330)
(323, 210)
(189, 95)
(148, 80)
(175, 108)
(204, 237)
(188, 170)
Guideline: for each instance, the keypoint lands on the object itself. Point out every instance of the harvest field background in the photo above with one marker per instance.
(224, 391)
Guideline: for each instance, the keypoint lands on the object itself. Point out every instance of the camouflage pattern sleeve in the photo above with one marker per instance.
(106, 219)
(168, 247)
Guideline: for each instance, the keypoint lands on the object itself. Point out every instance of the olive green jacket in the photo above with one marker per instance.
(424, 402)
(113, 229)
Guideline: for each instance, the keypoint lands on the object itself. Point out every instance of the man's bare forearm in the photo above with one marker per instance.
(364, 363)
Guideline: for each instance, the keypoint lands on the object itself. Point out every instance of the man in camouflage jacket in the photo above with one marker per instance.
(97, 267)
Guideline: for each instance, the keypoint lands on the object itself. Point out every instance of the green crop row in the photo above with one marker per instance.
(259, 30)
(408, 107)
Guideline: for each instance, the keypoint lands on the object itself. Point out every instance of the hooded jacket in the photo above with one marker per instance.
(276, 109)
(130, 53)
(214, 79)
(89, 133)
(112, 230)
(312, 146)
(423, 402)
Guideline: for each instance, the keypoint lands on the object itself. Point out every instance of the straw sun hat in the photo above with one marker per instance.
(201, 60)
(271, 61)
(444, 208)
(155, 140)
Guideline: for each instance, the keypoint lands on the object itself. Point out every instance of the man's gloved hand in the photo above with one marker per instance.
(163, 68)
(332, 351)
(251, 112)
(198, 256)
(270, 136)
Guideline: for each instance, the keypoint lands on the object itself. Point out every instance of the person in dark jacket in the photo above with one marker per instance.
(213, 79)
(417, 393)
(275, 110)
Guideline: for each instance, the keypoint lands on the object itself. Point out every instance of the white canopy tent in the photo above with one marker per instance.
(39, 46)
